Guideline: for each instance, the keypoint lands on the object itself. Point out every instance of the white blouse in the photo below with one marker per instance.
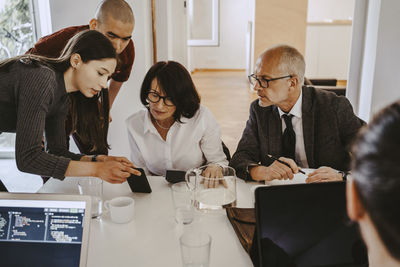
(192, 143)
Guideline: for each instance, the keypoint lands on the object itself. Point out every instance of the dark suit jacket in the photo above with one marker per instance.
(329, 126)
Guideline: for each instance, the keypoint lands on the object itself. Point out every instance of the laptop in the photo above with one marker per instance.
(44, 229)
(306, 225)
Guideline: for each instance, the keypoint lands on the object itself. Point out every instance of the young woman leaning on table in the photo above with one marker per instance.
(174, 131)
(373, 197)
(34, 100)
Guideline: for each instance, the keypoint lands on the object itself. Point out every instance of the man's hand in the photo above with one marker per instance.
(276, 170)
(324, 174)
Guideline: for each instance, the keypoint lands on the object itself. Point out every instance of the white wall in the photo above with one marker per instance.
(162, 29)
(328, 51)
(328, 46)
(177, 32)
(387, 69)
(374, 74)
(231, 52)
(319, 10)
(171, 31)
(66, 13)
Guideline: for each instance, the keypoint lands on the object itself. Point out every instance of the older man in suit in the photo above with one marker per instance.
(302, 126)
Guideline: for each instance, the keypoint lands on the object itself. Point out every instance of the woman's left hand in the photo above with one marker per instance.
(213, 171)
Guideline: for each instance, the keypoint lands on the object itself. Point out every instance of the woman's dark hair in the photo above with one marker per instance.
(89, 117)
(176, 82)
(89, 44)
(85, 113)
(376, 171)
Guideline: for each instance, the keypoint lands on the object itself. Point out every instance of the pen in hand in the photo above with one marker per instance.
(275, 158)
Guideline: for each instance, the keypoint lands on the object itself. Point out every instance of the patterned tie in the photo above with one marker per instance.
(288, 138)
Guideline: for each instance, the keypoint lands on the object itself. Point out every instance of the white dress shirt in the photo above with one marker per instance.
(297, 122)
(192, 143)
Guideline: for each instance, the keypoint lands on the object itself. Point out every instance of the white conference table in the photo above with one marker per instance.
(152, 237)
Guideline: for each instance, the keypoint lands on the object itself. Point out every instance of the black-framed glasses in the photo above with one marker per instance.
(263, 82)
(154, 97)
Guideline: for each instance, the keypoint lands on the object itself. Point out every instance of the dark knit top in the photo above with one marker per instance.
(33, 101)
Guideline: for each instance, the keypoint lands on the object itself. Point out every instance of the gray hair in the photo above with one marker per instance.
(291, 61)
(117, 9)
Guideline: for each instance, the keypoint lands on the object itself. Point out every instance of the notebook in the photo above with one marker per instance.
(306, 225)
(44, 229)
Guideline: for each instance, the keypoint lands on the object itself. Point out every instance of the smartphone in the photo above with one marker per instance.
(139, 184)
(175, 176)
(3, 188)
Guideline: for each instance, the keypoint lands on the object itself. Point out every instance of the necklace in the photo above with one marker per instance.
(162, 127)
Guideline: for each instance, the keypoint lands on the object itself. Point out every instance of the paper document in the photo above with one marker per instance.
(298, 178)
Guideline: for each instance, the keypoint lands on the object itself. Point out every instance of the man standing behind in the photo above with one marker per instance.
(302, 126)
(114, 19)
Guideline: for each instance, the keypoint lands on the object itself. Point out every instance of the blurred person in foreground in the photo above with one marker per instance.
(373, 191)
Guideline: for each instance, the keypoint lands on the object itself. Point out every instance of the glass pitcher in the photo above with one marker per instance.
(213, 186)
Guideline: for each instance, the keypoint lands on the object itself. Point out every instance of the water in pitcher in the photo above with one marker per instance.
(216, 198)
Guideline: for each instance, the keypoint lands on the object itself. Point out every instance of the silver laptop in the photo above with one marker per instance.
(44, 229)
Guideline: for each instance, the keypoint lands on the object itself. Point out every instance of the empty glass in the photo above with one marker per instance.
(93, 187)
(182, 197)
(195, 249)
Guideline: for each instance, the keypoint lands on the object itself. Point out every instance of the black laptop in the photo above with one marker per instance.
(46, 230)
(306, 225)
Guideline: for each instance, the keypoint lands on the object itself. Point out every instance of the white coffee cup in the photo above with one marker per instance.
(121, 209)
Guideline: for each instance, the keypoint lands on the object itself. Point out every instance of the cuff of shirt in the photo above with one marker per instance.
(61, 168)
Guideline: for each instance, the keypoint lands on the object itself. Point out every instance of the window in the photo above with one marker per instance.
(16, 27)
(17, 35)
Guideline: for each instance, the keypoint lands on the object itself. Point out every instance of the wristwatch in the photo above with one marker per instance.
(344, 175)
(94, 158)
(251, 165)
(248, 167)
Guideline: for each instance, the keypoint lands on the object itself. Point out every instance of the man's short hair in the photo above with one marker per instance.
(291, 61)
(117, 9)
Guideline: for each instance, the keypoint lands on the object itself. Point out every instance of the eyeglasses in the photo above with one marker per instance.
(263, 82)
(154, 97)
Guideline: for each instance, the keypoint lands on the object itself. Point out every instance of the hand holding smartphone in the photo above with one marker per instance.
(139, 184)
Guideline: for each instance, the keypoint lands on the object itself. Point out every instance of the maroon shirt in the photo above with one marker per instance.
(53, 44)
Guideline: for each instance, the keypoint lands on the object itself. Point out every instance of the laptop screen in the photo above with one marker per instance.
(306, 225)
(41, 232)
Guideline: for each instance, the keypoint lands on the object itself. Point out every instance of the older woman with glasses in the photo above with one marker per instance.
(174, 132)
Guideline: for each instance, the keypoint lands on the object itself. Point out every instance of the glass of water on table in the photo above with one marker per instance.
(182, 198)
(93, 187)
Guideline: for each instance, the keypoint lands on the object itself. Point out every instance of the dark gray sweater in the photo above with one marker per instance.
(33, 101)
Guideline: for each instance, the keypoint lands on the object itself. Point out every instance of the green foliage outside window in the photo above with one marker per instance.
(16, 28)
